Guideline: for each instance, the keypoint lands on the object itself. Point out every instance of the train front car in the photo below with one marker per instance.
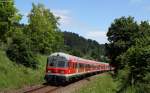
(57, 68)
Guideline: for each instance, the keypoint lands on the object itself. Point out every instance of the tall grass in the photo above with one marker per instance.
(13, 76)
(105, 84)
(102, 84)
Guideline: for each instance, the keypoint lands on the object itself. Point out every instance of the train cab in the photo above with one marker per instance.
(57, 67)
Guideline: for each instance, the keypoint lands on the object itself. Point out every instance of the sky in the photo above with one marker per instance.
(89, 18)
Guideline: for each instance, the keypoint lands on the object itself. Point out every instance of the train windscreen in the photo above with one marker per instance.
(57, 61)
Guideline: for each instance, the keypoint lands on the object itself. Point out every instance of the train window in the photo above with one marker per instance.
(81, 65)
(56, 61)
(52, 62)
(61, 64)
(72, 65)
(88, 65)
(75, 65)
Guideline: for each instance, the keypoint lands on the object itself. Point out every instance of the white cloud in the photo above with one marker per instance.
(65, 18)
(67, 21)
(99, 36)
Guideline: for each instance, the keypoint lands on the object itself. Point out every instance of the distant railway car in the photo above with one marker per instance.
(63, 67)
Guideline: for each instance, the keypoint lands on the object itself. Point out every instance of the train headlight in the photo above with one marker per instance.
(49, 71)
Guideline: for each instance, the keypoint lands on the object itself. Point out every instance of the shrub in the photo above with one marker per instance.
(19, 51)
(137, 60)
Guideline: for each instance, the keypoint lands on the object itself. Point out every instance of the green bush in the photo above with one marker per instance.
(19, 52)
(136, 70)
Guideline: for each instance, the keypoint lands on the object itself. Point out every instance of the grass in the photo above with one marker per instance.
(105, 84)
(102, 84)
(13, 76)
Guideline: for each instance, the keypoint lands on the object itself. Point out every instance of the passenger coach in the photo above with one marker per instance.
(63, 67)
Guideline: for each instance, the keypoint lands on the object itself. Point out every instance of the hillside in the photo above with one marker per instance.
(15, 76)
(80, 46)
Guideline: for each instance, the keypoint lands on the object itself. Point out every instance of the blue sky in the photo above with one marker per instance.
(89, 18)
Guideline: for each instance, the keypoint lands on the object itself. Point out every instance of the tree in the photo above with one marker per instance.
(18, 51)
(43, 30)
(82, 47)
(121, 35)
(144, 28)
(8, 17)
(137, 62)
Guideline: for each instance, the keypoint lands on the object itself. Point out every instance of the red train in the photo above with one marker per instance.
(63, 67)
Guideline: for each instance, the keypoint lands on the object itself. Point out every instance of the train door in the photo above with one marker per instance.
(72, 66)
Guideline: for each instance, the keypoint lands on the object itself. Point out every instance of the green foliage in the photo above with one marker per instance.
(14, 76)
(122, 29)
(129, 50)
(17, 48)
(43, 30)
(8, 16)
(121, 35)
(86, 48)
(138, 61)
(144, 28)
(19, 52)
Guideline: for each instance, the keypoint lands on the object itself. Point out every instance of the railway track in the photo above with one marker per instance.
(42, 89)
(67, 88)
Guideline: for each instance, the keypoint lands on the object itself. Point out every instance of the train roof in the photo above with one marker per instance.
(67, 56)
(60, 54)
